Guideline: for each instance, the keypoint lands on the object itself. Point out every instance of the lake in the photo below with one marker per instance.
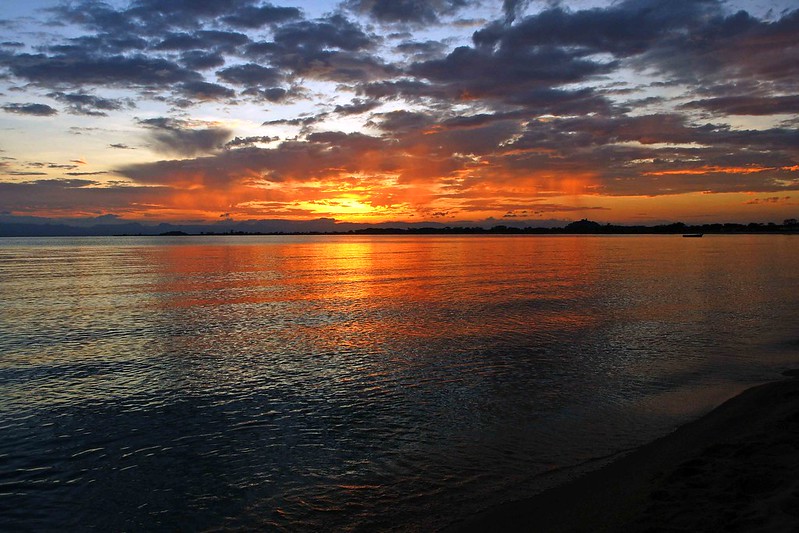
(361, 383)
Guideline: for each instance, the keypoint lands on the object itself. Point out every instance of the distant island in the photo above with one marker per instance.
(49, 228)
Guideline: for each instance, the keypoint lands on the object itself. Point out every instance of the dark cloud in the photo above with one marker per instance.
(262, 50)
(220, 41)
(358, 142)
(748, 105)
(300, 121)
(95, 15)
(178, 137)
(737, 48)
(332, 49)
(201, 60)
(407, 11)
(250, 75)
(769, 200)
(103, 43)
(480, 119)
(71, 183)
(135, 47)
(179, 41)
(25, 173)
(156, 14)
(272, 94)
(401, 121)
(654, 36)
(38, 110)
(562, 102)
(507, 74)
(89, 104)
(356, 107)
(445, 141)
(694, 42)
(524, 64)
(109, 71)
(422, 50)
(334, 31)
(590, 132)
(407, 88)
(121, 146)
(158, 18)
(252, 17)
(99, 172)
(513, 8)
(300, 161)
(239, 142)
(204, 91)
(334, 65)
(623, 29)
(73, 195)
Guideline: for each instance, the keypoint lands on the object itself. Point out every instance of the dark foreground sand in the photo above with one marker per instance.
(735, 469)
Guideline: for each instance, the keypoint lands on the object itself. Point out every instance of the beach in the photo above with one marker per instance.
(734, 469)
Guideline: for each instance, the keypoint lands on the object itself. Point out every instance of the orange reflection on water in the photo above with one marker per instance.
(350, 293)
(374, 294)
(379, 303)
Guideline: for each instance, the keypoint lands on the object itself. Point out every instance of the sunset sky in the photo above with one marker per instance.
(400, 110)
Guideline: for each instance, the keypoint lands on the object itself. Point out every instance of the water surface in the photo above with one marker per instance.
(360, 382)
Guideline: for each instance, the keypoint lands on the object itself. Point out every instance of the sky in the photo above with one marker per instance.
(449, 111)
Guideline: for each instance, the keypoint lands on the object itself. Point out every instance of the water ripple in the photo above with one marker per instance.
(358, 384)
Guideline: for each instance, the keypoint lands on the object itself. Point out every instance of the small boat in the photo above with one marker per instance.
(693, 234)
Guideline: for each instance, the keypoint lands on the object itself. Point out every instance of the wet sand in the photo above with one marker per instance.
(735, 469)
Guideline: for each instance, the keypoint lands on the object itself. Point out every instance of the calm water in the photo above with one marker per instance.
(360, 383)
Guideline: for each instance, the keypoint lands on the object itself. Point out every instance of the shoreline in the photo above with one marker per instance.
(535, 232)
(734, 469)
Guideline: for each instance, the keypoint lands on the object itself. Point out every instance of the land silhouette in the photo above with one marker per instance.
(332, 227)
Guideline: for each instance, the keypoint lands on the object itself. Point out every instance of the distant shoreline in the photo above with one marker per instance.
(330, 227)
(456, 231)
(733, 469)
(575, 228)
(714, 229)
(380, 233)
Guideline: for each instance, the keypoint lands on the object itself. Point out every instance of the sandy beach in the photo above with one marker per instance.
(734, 469)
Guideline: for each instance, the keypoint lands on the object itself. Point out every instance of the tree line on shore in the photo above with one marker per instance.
(48, 228)
(581, 227)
